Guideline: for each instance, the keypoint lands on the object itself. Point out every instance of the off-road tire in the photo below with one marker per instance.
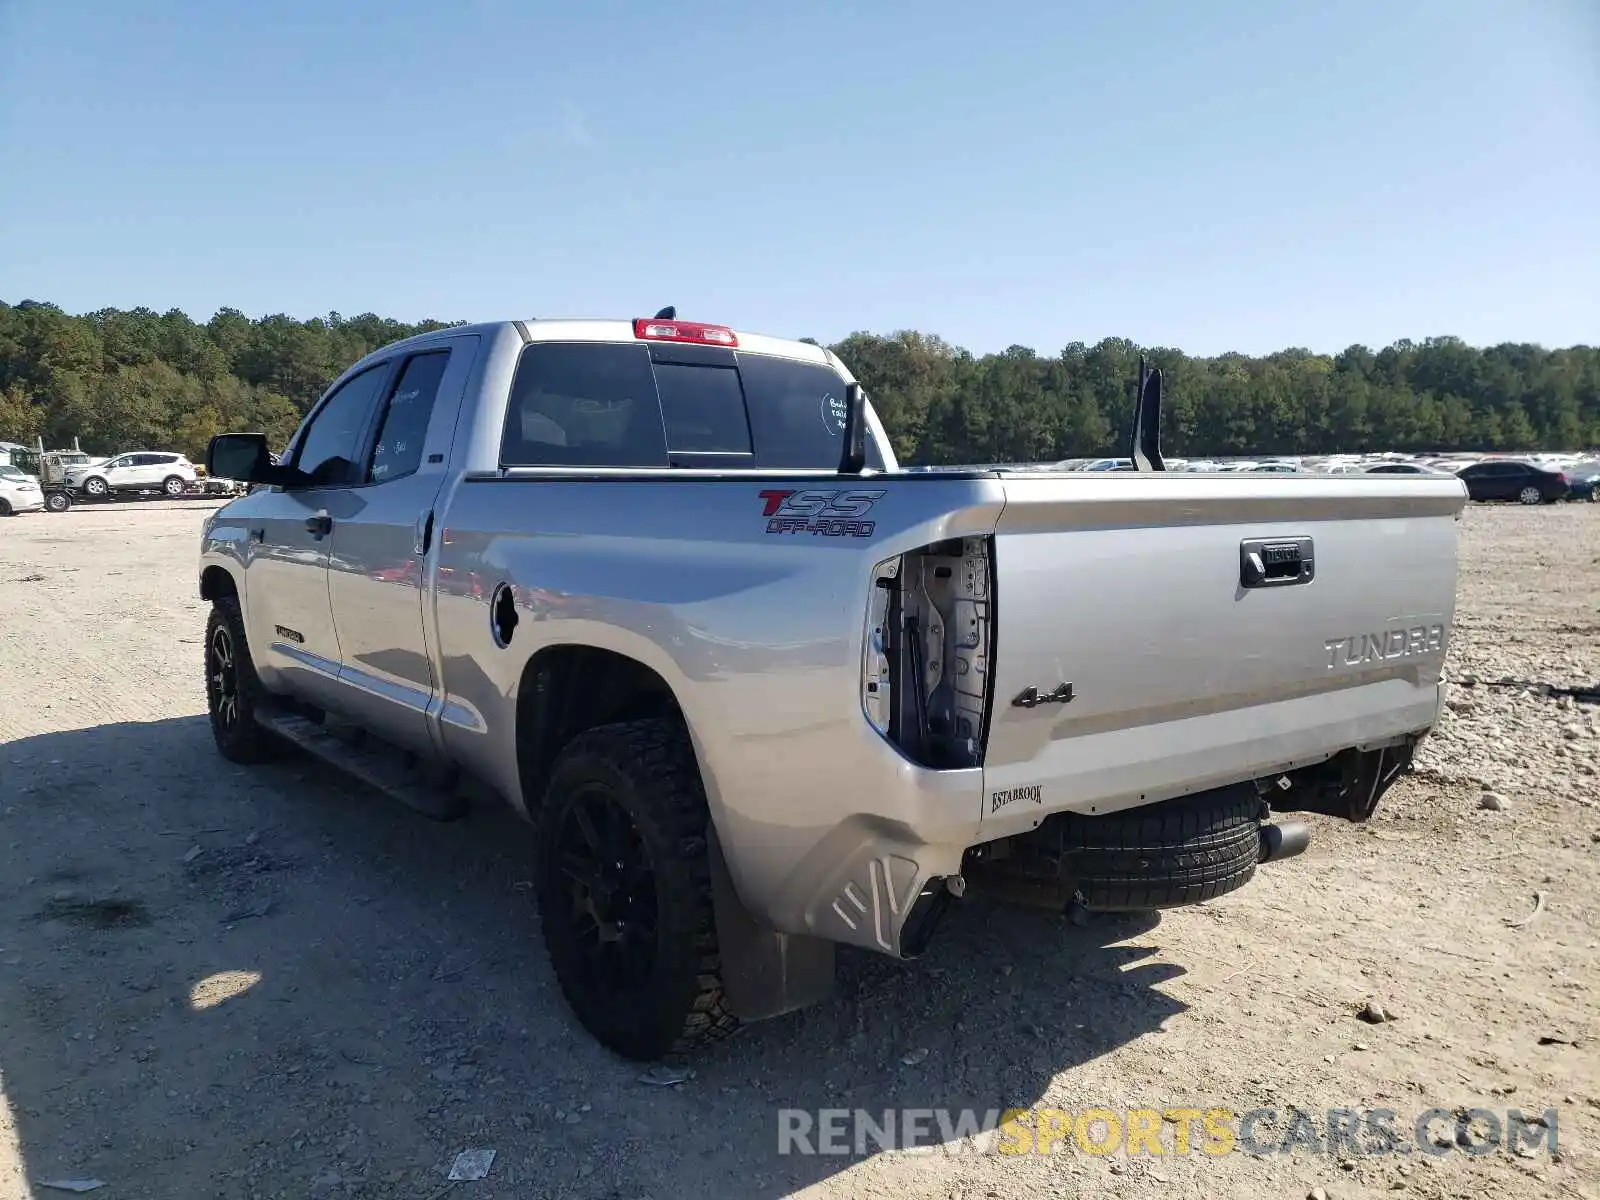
(1165, 855)
(241, 739)
(173, 485)
(648, 768)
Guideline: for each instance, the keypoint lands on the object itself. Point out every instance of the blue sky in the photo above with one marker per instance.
(1212, 176)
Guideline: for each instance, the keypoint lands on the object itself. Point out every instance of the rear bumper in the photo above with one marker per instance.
(1108, 771)
(879, 881)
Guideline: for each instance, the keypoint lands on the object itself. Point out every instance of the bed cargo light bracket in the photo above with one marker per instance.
(1146, 448)
(853, 455)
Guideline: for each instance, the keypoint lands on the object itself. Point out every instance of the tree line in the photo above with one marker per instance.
(127, 379)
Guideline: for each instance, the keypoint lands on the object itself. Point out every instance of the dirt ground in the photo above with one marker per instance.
(270, 982)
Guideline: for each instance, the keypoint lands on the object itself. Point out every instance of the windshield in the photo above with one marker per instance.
(8, 472)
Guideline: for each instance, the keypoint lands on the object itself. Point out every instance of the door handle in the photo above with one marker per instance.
(319, 526)
(1276, 562)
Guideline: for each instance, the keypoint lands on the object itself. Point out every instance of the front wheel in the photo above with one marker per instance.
(96, 487)
(624, 890)
(233, 691)
(172, 485)
(1530, 495)
(57, 502)
(5, 507)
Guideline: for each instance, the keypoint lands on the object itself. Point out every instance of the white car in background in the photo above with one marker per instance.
(19, 493)
(132, 471)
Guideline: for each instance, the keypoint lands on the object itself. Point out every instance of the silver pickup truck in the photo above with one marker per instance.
(663, 587)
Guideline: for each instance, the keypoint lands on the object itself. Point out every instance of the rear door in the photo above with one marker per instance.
(1502, 480)
(378, 550)
(1190, 630)
(148, 470)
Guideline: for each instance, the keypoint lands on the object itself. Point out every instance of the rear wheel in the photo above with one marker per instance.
(233, 691)
(1530, 495)
(625, 893)
(173, 485)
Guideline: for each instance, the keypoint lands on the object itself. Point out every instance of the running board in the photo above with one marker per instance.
(373, 762)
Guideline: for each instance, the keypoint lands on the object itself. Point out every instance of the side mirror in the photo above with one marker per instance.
(853, 460)
(241, 456)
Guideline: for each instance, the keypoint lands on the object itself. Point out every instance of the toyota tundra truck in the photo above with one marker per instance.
(761, 692)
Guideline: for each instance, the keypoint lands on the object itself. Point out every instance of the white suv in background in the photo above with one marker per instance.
(19, 492)
(133, 471)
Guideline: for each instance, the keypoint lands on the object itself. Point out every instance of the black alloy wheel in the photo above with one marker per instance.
(610, 891)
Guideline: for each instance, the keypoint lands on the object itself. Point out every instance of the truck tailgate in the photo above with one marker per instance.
(1142, 598)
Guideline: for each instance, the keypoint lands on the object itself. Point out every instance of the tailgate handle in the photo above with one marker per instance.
(1276, 562)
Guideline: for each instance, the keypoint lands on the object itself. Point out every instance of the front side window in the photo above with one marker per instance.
(398, 451)
(331, 445)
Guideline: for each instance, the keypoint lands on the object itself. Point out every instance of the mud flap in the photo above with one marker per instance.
(764, 973)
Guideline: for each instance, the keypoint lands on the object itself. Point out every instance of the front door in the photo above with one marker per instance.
(120, 473)
(291, 630)
(376, 575)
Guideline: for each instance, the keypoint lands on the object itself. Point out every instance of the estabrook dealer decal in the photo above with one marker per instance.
(1030, 792)
(821, 512)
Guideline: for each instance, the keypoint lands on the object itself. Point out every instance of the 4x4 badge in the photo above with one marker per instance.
(1030, 697)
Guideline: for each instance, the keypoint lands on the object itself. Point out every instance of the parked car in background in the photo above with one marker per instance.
(133, 471)
(1506, 479)
(1402, 468)
(1583, 483)
(19, 492)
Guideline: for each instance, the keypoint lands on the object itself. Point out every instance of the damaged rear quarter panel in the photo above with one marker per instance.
(757, 631)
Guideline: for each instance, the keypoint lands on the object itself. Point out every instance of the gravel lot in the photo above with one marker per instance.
(232, 983)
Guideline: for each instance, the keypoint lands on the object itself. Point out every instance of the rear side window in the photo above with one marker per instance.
(398, 450)
(797, 410)
(587, 404)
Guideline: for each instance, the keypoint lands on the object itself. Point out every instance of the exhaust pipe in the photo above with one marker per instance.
(1284, 840)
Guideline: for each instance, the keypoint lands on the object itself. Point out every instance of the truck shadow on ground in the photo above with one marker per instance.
(235, 982)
